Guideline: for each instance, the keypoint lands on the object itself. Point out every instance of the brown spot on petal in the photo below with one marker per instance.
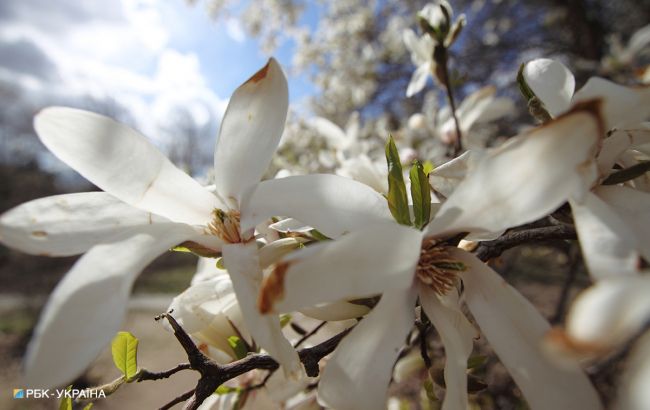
(272, 288)
(561, 343)
(260, 75)
(39, 234)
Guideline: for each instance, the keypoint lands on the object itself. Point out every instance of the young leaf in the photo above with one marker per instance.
(66, 402)
(238, 347)
(285, 319)
(421, 195)
(88, 406)
(125, 354)
(428, 167)
(223, 389)
(397, 199)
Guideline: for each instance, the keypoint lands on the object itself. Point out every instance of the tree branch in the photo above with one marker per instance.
(491, 249)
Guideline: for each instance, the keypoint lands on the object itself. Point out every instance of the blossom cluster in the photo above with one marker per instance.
(359, 247)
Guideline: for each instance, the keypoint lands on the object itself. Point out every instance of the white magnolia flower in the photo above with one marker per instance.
(421, 49)
(518, 183)
(149, 206)
(607, 218)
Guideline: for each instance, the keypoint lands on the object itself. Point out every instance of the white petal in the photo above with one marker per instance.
(361, 168)
(418, 80)
(341, 310)
(290, 225)
(552, 83)
(526, 178)
(616, 144)
(356, 377)
(633, 392)
(334, 134)
(88, 306)
(515, 329)
(609, 313)
(250, 131)
(332, 204)
(70, 224)
(446, 177)
(457, 336)
(123, 163)
(242, 263)
(360, 264)
(633, 207)
(607, 243)
(622, 106)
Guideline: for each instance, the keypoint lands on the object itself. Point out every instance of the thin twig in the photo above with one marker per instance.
(145, 374)
(492, 249)
(183, 397)
(310, 334)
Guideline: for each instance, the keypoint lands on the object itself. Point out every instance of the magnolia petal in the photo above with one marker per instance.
(457, 336)
(332, 132)
(70, 224)
(330, 203)
(356, 377)
(621, 106)
(421, 49)
(446, 177)
(552, 83)
(515, 330)
(360, 264)
(88, 306)
(335, 311)
(617, 144)
(242, 263)
(609, 313)
(250, 132)
(633, 391)
(606, 241)
(633, 207)
(419, 79)
(123, 163)
(361, 168)
(551, 164)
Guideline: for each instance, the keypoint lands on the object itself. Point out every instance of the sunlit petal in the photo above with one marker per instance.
(552, 83)
(87, 307)
(332, 204)
(250, 132)
(123, 163)
(360, 264)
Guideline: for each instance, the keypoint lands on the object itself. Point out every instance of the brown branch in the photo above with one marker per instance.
(213, 374)
(145, 374)
(310, 334)
(177, 400)
(491, 249)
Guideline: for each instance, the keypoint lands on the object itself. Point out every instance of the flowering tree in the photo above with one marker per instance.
(382, 253)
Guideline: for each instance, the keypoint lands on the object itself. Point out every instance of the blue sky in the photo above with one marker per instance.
(146, 57)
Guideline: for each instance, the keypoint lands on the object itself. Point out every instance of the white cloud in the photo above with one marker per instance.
(114, 57)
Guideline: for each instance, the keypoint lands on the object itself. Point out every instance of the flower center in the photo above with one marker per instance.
(436, 268)
(225, 225)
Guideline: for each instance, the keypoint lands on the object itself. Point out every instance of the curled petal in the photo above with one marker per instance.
(552, 83)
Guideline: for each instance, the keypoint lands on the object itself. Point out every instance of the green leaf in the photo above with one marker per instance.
(88, 406)
(627, 174)
(476, 361)
(428, 167)
(223, 389)
(421, 195)
(318, 235)
(125, 354)
(523, 85)
(220, 264)
(285, 319)
(238, 347)
(397, 199)
(66, 402)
